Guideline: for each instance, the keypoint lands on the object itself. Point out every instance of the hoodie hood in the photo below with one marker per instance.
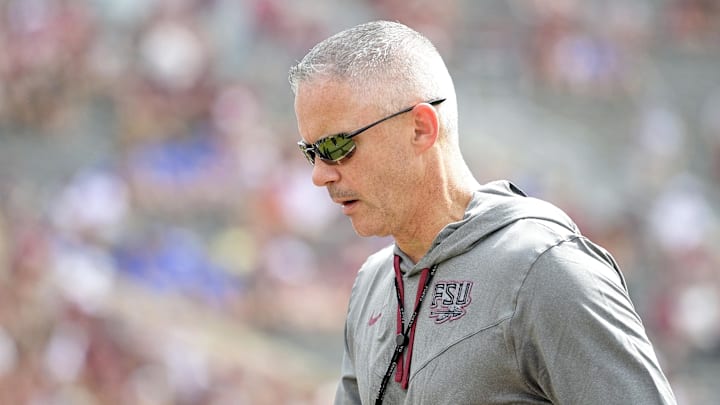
(492, 207)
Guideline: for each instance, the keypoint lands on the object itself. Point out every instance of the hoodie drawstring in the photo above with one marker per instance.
(402, 374)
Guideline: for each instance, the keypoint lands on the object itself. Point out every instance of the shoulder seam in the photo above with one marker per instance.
(522, 285)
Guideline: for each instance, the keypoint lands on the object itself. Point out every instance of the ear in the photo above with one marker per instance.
(427, 127)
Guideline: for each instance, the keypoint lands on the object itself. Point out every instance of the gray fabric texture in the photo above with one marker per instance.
(523, 310)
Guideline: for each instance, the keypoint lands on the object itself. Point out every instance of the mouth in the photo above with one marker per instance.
(345, 198)
(348, 206)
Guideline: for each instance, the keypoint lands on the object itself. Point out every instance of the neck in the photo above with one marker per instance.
(442, 203)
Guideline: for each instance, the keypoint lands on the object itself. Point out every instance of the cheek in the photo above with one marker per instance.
(389, 175)
(391, 187)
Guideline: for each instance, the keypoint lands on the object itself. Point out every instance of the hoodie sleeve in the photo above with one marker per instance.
(577, 337)
(347, 391)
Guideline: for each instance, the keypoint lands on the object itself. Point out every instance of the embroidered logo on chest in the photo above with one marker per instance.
(449, 300)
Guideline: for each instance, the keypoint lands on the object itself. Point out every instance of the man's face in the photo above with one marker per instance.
(374, 185)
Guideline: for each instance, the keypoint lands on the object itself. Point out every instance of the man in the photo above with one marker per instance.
(487, 296)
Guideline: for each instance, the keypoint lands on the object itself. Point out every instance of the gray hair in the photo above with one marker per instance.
(384, 56)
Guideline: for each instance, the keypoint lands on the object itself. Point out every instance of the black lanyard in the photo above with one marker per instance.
(401, 340)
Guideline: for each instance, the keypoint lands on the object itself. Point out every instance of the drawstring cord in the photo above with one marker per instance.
(405, 337)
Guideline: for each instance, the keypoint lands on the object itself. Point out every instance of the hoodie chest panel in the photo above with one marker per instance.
(373, 332)
(458, 361)
(454, 361)
(465, 352)
(479, 369)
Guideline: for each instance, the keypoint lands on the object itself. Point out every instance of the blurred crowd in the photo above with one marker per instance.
(161, 241)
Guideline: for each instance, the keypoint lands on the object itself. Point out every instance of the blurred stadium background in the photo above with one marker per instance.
(161, 241)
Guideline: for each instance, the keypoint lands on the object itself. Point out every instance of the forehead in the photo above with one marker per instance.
(326, 107)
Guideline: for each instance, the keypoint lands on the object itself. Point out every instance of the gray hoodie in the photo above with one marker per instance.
(522, 310)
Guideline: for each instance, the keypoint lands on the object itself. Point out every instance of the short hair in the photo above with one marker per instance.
(384, 56)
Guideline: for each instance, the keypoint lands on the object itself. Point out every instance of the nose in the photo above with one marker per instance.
(324, 174)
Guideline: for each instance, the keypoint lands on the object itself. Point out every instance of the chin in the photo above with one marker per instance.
(365, 230)
(362, 232)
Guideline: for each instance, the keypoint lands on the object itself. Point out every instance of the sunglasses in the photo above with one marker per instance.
(334, 148)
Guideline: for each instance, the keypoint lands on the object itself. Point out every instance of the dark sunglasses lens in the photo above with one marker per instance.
(335, 148)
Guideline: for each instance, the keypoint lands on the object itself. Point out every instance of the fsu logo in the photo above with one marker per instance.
(449, 300)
